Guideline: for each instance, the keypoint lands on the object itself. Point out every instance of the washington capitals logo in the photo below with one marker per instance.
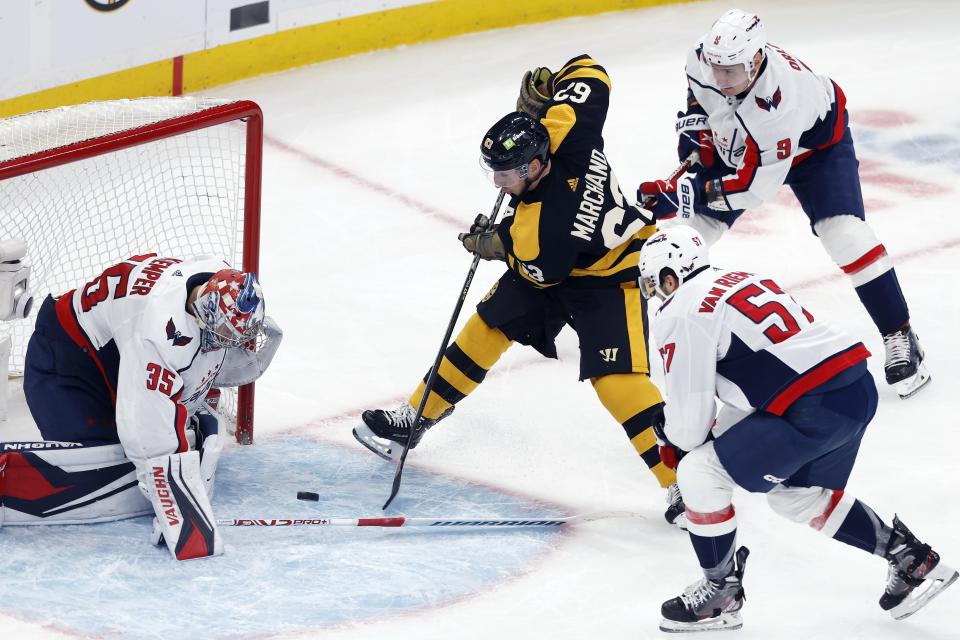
(768, 104)
(179, 339)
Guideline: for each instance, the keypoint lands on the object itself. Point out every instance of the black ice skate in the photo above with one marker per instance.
(385, 432)
(915, 574)
(676, 510)
(708, 605)
(904, 366)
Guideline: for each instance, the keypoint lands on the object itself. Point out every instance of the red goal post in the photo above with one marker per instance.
(88, 185)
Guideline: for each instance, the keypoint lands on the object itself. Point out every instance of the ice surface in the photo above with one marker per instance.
(110, 583)
(370, 171)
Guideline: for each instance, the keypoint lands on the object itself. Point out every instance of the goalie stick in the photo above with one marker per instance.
(428, 386)
(403, 521)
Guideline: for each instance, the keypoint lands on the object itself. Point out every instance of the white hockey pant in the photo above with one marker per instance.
(852, 244)
(707, 491)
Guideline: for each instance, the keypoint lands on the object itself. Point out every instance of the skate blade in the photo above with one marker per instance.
(386, 449)
(909, 387)
(730, 621)
(937, 580)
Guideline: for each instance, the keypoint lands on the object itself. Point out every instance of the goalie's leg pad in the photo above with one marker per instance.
(175, 488)
(67, 483)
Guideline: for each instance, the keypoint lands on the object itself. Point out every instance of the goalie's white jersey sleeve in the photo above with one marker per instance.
(788, 113)
(164, 374)
(739, 337)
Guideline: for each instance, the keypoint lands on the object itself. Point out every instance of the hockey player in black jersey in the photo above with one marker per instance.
(571, 244)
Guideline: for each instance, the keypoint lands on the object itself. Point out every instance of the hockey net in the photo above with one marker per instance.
(89, 185)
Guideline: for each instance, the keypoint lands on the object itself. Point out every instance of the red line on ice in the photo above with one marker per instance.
(366, 183)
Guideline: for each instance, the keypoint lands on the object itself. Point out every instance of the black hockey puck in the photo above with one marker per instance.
(308, 495)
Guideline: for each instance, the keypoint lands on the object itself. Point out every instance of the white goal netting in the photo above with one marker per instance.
(178, 191)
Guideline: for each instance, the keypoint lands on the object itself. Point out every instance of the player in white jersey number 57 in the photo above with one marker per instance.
(761, 118)
(797, 399)
(130, 358)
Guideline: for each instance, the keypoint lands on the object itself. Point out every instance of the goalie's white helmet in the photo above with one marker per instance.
(230, 309)
(734, 39)
(678, 250)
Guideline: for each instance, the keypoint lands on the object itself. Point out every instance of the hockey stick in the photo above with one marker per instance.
(690, 160)
(431, 378)
(436, 363)
(403, 521)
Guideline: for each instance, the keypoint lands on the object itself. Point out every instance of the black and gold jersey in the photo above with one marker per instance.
(575, 226)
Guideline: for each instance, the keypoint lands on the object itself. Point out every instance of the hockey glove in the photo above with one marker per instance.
(483, 240)
(659, 197)
(714, 197)
(683, 198)
(670, 455)
(694, 134)
(536, 89)
(480, 223)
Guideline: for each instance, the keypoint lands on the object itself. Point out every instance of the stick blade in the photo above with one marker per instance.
(396, 485)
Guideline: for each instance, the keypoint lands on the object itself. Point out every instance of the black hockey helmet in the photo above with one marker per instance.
(515, 140)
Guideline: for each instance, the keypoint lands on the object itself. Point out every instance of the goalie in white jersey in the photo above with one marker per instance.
(130, 358)
(760, 118)
(797, 398)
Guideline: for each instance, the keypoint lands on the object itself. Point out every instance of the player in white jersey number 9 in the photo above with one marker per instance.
(760, 118)
(734, 50)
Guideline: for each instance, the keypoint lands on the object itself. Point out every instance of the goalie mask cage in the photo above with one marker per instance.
(87, 186)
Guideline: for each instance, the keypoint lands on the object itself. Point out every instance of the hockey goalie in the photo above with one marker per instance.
(121, 377)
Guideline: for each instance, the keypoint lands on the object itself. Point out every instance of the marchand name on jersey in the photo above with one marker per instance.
(591, 205)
